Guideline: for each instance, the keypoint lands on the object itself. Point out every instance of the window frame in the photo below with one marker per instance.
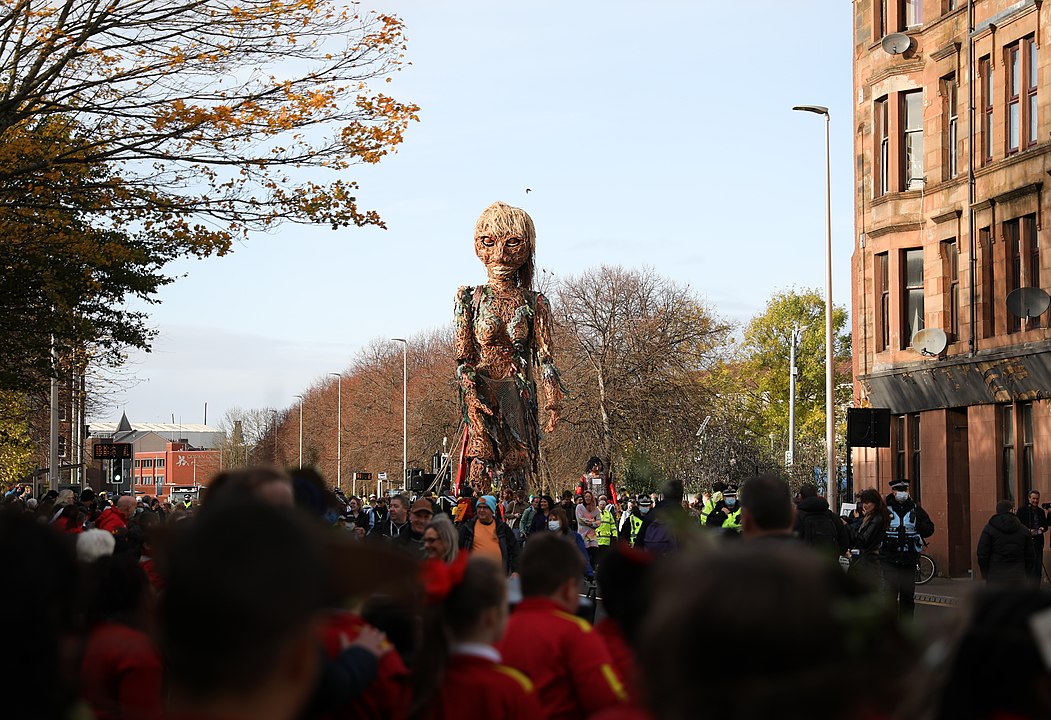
(911, 138)
(951, 254)
(952, 126)
(882, 278)
(986, 95)
(1008, 467)
(881, 117)
(907, 292)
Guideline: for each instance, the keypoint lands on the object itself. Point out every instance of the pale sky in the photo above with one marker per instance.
(650, 133)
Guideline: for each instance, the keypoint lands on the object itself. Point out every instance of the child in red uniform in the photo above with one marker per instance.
(561, 653)
(460, 672)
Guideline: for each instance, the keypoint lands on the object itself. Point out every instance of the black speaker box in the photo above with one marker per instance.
(868, 427)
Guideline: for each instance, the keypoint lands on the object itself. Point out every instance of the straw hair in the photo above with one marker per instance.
(500, 220)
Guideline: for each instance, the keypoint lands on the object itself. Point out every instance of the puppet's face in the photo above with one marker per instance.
(502, 256)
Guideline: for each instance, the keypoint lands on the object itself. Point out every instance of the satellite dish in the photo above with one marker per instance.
(930, 342)
(1027, 302)
(896, 43)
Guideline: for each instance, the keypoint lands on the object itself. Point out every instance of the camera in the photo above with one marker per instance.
(1046, 506)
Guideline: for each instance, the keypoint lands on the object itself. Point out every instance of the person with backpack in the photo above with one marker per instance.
(908, 527)
(819, 527)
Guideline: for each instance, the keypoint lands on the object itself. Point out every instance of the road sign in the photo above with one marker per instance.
(381, 476)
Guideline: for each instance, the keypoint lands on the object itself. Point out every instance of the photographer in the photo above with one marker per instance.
(1034, 517)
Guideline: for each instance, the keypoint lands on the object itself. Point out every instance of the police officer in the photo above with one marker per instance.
(909, 526)
(606, 534)
(726, 513)
(713, 500)
(630, 526)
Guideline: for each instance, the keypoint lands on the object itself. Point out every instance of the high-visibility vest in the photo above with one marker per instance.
(634, 524)
(607, 527)
(709, 506)
(733, 520)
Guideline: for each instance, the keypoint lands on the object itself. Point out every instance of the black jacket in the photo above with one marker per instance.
(1005, 552)
(867, 537)
(506, 538)
(813, 506)
(894, 549)
(1034, 518)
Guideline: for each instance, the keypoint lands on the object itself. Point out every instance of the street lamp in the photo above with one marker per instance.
(830, 428)
(404, 408)
(339, 428)
(300, 429)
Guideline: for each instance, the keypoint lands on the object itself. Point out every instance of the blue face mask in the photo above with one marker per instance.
(730, 502)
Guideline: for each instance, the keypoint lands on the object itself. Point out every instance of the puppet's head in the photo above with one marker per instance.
(505, 240)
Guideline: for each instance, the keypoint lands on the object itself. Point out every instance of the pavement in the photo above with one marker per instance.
(945, 592)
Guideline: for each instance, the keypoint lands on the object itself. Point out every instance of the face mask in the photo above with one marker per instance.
(644, 510)
(554, 526)
(730, 502)
(901, 496)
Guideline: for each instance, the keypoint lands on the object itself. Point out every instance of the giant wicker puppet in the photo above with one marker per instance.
(503, 353)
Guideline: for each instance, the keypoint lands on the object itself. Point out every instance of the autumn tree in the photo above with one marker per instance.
(634, 348)
(760, 372)
(147, 130)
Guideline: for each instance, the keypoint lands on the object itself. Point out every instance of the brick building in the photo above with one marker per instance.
(950, 205)
(179, 464)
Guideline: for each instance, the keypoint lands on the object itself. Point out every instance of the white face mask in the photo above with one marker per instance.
(901, 496)
(554, 526)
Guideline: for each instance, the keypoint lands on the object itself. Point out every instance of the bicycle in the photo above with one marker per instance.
(926, 569)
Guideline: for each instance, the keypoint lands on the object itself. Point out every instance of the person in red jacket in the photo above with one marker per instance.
(120, 670)
(561, 653)
(461, 676)
(388, 696)
(115, 519)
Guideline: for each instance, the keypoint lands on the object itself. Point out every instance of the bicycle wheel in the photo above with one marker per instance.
(925, 569)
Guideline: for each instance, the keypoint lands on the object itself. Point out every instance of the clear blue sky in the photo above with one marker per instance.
(657, 133)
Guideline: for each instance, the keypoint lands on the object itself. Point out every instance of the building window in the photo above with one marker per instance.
(883, 302)
(882, 134)
(1023, 266)
(914, 455)
(988, 283)
(951, 253)
(1021, 113)
(912, 295)
(1030, 124)
(159, 463)
(880, 21)
(1027, 446)
(61, 445)
(899, 448)
(952, 116)
(137, 462)
(912, 139)
(951, 5)
(1007, 487)
(912, 12)
(985, 71)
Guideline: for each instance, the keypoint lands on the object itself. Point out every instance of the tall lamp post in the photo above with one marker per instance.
(830, 426)
(404, 408)
(300, 429)
(339, 429)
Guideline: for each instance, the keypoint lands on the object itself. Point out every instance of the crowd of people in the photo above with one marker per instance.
(275, 597)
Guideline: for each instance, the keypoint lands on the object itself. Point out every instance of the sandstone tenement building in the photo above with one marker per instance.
(951, 151)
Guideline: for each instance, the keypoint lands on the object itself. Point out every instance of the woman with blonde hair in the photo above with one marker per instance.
(440, 540)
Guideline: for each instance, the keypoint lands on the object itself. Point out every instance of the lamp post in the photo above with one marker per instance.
(339, 429)
(404, 408)
(830, 427)
(300, 429)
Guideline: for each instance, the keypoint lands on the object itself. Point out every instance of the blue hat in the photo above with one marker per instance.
(488, 500)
